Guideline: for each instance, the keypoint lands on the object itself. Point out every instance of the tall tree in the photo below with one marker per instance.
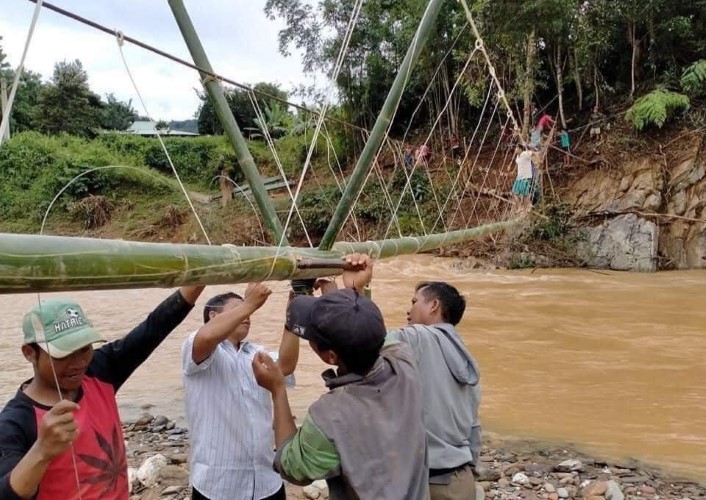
(25, 107)
(115, 114)
(240, 103)
(67, 103)
(4, 64)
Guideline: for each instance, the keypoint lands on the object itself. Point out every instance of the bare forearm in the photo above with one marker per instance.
(288, 352)
(284, 422)
(217, 330)
(28, 473)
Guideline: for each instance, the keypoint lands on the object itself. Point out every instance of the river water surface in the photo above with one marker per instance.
(613, 362)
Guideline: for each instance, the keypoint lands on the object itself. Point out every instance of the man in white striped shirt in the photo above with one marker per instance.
(230, 416)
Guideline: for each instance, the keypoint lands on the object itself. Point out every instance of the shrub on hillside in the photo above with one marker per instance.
(655, 108)
(316, 207)
(35, 168)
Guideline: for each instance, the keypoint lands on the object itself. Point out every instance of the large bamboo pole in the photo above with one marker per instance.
(225, 115)
(32, 263)
(365, 161)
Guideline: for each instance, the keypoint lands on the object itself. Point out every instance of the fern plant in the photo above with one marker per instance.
(693, 80)
(656, 108)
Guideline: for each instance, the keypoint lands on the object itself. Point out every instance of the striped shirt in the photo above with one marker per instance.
(230, 421)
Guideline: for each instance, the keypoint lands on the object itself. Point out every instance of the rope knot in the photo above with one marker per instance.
(120, 37)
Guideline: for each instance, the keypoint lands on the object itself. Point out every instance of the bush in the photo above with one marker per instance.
(35, 168)
(656, 108)
(316, 207)
(557, 228)
(693, 80)
(195, 159)
(93, 211)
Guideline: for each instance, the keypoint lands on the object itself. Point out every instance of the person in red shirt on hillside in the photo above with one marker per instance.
(61, 436)
(544, 121)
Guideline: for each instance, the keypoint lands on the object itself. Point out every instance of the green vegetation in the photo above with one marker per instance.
(655, 108)
(557, 228)
(693, 80)
(35, 167)
(575, 55)
(65, 104)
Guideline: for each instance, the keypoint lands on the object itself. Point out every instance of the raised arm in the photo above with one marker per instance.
(116, 361)
(269, 376)
(191, 293)
(302, 455)
(288, 352)
(358, 271)
(221, 326)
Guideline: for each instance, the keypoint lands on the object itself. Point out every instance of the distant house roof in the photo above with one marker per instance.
(149, 128)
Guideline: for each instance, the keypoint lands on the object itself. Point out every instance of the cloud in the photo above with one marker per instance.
(238, 38)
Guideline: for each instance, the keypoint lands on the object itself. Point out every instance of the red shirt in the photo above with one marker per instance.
(99, 449)
(544, 120)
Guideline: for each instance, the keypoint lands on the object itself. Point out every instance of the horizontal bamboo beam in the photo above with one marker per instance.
(32, 263)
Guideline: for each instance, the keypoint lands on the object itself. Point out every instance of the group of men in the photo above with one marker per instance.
(399, 420)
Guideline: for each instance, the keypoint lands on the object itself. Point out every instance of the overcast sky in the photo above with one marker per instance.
(239, 40)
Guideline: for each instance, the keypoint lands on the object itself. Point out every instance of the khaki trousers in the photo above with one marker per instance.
(462, 487)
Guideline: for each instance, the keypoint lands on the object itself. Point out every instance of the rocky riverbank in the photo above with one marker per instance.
(158, 449)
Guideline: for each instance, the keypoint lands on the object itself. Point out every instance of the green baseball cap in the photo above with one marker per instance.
(60, 327)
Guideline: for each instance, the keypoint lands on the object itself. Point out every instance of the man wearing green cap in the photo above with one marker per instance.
(61, 436)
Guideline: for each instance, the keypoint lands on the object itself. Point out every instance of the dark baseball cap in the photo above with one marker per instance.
(343, 320)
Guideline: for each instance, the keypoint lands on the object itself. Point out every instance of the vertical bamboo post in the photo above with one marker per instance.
(225, 115)
(355, 183)
(3, 105)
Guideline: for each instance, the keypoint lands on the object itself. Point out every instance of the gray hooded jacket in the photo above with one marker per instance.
(451, 392)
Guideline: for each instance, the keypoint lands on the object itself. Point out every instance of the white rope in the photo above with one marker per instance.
(485, 177)
(386, 136)
(459, 198)
(120, 40)
(86, 172)
(319, 123)
(271, 144)
(480, 45)
(61, 397)
(341, 184)
(480, 150)
(247, 198)
(434, 125)
(5, 123)
(408, 182)
(431, 82)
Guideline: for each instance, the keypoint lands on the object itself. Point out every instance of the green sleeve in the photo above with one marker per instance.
(308, 456)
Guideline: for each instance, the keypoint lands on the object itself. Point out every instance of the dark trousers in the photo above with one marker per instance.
(280, 495)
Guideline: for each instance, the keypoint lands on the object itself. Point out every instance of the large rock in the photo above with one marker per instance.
(637, 186)
(613, 491)
(668, 189)
(148, 473)
(624, 243)
(683, 237)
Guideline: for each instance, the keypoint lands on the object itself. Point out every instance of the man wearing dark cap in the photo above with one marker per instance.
(365, 436)
(60, 436)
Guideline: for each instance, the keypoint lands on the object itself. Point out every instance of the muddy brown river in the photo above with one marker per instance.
(613, 362)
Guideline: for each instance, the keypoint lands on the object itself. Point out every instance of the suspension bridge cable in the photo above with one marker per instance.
(188, 64)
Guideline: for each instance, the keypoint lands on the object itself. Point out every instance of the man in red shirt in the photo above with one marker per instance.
(61, 436)
(544, 121)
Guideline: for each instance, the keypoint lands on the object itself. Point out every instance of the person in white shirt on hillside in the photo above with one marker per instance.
(229, 415)
(523, 187)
